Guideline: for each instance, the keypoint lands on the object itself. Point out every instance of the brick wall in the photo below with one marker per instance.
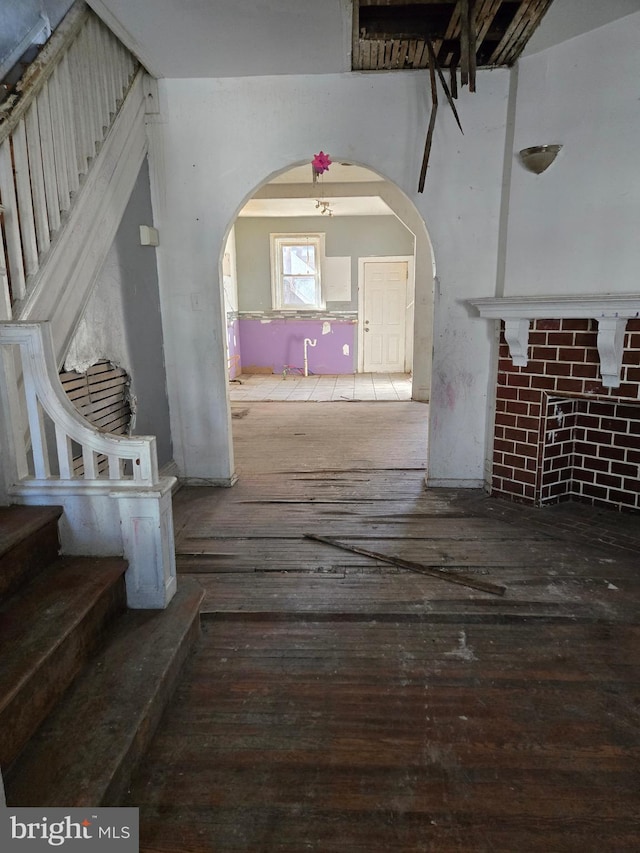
(559, 434)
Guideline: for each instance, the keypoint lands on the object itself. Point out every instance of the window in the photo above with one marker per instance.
(296, 261)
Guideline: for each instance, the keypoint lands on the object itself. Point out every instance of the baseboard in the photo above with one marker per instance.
(436, 483)
(223, 482)
(171, 470)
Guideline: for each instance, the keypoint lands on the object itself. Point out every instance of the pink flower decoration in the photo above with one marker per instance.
(321, 163)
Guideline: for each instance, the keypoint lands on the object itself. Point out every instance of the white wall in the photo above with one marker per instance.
(224, 138)
(566, 19)
(574, 228)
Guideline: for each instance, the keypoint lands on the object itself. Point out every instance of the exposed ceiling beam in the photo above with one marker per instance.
(392, 34)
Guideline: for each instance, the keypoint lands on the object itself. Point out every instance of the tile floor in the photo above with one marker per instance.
(359, 386)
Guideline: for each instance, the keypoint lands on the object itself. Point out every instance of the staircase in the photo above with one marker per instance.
(72, 141)
(83, 680)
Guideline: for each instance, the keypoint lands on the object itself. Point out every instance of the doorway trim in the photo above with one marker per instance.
(409, 312)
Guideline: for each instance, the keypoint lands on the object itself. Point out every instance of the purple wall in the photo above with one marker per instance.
(233, 344)
(280, 342)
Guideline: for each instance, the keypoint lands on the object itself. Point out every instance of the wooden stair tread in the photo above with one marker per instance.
(35, 621)
(29, 542)
(84, 752)
(19, 522)
(48, 631)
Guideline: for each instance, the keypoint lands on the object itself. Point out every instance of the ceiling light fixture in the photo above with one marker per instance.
(324, 207)
(538, 158)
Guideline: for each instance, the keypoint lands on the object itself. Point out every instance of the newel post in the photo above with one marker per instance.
(13, 458)
(146, 521)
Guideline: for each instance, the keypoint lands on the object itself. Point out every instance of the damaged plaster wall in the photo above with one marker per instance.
(122, 323)
(101, 331)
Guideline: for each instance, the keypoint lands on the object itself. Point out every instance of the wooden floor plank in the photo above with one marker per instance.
(399, 738)
(336, 704)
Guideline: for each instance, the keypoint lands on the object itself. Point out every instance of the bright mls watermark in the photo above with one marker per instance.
(108, 830)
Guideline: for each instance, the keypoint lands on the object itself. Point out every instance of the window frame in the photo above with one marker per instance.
(277, 242)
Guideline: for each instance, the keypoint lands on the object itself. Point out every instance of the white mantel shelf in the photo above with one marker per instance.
(611, 312)
(625, 306)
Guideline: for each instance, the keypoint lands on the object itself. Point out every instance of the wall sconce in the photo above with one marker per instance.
(539, 157)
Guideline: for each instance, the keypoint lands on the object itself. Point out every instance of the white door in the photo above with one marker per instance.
(384, 316)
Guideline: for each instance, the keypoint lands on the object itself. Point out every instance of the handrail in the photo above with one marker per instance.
(43, 393)
(38, 72)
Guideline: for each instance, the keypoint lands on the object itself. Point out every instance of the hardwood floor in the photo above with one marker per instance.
(336, 703)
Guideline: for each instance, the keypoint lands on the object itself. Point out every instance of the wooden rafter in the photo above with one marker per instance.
(453, 76)
(526, 19)
(464, 42)
(471, 25)
(432, 124)
(486, 11)
(434, 62)
(434, 69)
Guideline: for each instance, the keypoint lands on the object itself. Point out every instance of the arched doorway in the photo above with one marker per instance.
(363, 219)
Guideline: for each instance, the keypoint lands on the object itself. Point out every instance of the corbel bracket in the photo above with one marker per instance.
(611, 332)
(611, 311)
(516, 333)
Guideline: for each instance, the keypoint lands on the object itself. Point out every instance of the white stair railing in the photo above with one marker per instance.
(51, 129)
(124, 510)
(44, 397)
